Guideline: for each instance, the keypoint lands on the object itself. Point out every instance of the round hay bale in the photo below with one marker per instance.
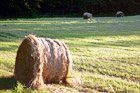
(87, 15)
(119, 14)
(40, 61)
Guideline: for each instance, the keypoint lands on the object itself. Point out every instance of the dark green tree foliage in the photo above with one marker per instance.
(22, 8)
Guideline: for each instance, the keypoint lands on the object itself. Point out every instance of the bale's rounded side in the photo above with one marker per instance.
(56, 65)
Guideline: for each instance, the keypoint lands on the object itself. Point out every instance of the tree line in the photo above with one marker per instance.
(33, 8)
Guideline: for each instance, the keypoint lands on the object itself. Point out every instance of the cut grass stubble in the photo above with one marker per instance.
(105, 50)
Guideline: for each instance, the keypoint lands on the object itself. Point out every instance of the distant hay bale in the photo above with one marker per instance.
(119, 14)
(40, 61)
(87, 15)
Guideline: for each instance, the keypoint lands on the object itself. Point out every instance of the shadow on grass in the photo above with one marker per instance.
(7, 82)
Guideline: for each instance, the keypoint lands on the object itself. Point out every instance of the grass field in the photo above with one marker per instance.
(105, 51)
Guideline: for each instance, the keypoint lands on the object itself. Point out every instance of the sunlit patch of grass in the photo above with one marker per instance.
(105, 50)
(4, 72)
(118, 84)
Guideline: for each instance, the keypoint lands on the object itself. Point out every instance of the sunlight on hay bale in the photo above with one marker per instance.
(87, 15)
(40, 61)
(119, 14)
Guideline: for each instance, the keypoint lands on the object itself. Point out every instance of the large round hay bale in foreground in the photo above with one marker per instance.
(40, 61)
(87, 15)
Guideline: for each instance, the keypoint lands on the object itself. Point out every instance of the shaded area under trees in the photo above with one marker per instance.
(33, 8)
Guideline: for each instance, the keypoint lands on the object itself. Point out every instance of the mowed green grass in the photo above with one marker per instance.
(105, 51)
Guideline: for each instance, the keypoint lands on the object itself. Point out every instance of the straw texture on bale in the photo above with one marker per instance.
(40, 61)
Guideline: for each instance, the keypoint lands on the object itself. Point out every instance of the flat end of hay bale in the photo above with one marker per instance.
(25, 60)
